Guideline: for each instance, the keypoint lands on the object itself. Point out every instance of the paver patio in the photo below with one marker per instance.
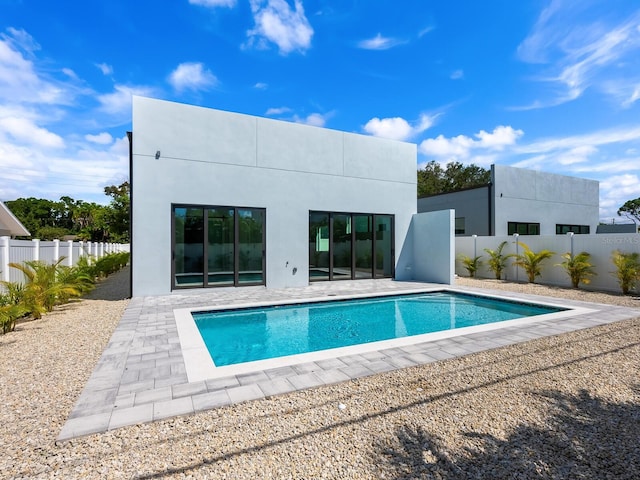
(141, 375)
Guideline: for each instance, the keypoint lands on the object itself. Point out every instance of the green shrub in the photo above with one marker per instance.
(627, 269)
(471, 264)
(531, 261)
(578, 268)
(497, 261)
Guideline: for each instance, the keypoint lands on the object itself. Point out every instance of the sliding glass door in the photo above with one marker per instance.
(218, 246)
(349, 246)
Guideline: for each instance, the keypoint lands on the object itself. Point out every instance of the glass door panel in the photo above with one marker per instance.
(364, 246)
(384, 246)
(318, 246)
(250, 251)
(341, 247)
(221, 234)
(189, 247)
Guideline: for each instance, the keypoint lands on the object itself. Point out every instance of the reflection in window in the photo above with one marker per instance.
(350, 246)
(232, 243)
(319, 246)
(523, 228)
(188, 251)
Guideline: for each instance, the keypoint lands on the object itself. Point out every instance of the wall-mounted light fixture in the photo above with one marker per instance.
(157, 154)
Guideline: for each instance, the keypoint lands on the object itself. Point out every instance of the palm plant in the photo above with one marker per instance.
(42, 290)
(472, 264)
(531, 261)
(627, 269)
(578, 267)
(9, 314)
(497, 261)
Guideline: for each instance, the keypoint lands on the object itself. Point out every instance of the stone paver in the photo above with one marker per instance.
(142, 377)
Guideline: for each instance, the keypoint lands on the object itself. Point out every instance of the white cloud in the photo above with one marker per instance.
(105, 68)
(380, 43)
(579, 154)
(103, 138)
(398, 128)
(500, 137)
(581, 51)
(192, 76)
(615, 191)
(19, 80)
(278, 23)
(314, 119)
(457, 75)
(261, 86)
(118, 102)
(214, 3)
(24, 130)
(278, 111)
(460, 147)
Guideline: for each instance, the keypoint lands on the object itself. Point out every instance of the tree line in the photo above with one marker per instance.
(88, 221)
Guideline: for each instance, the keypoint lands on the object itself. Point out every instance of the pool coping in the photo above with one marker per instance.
(142, 375)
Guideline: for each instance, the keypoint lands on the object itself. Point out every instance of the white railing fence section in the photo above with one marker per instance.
(18, 251)
(600, 246)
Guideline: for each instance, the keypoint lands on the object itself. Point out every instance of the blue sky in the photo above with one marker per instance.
(550, 85)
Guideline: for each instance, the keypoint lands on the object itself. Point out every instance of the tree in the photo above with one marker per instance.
(627, 269)
(118, 217)
(497, 261)
(631, 210)
(578, 267)
(433, 179)
(531, 261)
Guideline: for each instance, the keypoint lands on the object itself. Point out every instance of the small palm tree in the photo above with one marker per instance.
(578, 267)
(42, 290)
(472, 264)
(497, 261)
(627, 269)
(531, 261)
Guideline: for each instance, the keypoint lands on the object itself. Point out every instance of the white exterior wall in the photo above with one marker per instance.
(211, 157)
(529, 196)
(434, 247)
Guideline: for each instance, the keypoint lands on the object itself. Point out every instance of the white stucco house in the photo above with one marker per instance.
(527, 202)
(221, 199)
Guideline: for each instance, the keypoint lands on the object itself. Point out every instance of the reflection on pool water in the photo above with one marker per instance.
(249, 334)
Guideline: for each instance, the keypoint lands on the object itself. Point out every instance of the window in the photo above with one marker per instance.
(522, 228)
(349, 246)
(578, 229)
(459, 225)
(218, 246)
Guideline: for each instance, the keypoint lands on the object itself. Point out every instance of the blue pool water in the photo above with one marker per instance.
(243, 335)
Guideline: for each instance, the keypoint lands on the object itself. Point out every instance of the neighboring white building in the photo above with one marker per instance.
(10, 226)
(522, 201)
(225, 199)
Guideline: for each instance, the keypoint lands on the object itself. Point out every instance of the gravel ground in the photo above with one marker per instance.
(561, 407)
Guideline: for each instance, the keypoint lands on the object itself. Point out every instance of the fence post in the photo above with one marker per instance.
(4, 247)
(95, 249)
(56, 250)
(80, 249)
(70, 250)
(36, 249)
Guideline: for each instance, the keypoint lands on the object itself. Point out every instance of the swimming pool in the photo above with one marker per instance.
(249, 334)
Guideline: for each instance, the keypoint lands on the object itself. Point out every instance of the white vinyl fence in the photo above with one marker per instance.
(600, 246)
(18, 251)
